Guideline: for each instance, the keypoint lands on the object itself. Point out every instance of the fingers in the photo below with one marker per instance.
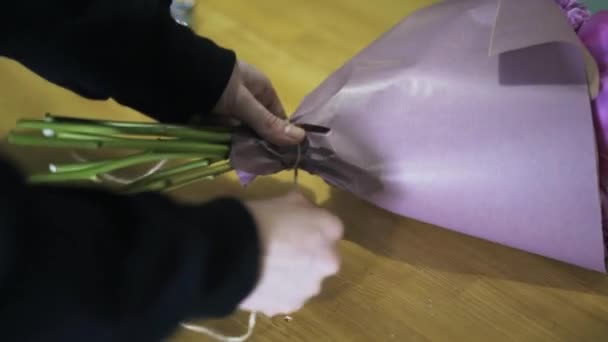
(262, 89)
(274, 106)
(333, 228)
(269, 126)
(251, 98)
(331, 225)
(330, 264)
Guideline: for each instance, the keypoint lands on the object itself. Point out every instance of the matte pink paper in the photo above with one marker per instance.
(472, 115)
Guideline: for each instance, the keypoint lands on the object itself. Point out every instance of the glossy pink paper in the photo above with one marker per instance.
(472, 115)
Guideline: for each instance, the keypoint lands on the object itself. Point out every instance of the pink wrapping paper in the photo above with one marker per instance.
(473, 115)
(594, 34)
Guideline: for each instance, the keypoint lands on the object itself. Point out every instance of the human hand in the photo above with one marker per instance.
(299, 243)
(250, 97)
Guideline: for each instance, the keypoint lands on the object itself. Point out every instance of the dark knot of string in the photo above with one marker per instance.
(296, 164)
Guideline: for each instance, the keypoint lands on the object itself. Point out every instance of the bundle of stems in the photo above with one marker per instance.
(195, 153)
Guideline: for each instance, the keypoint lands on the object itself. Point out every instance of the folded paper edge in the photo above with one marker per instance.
(509, 34)
(557, 29)
(512, 22)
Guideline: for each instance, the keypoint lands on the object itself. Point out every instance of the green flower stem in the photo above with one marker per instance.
(29, 140)
(55, 168)
(128, 124)
(181, 179)
(158, 179)
(157, 186)
(168, 172)
(81, 136)
(97, 137)
(120, 163)
(197, 149)
(212, 171)
(80, 141)
(126, 128)
(100, 168)
(62, 177)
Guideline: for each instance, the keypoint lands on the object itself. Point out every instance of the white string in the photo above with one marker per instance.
(121, 180)
(220, 337)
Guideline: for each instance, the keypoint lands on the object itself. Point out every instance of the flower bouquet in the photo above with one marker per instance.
(196, 153)
(473, 115)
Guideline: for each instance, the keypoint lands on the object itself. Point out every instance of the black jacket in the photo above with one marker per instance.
(86, 265)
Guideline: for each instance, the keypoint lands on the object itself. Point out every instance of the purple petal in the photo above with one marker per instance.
(245, 177)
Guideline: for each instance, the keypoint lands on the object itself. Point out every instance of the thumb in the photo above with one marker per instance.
(269, 126)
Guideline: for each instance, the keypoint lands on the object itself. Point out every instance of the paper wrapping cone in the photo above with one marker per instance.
(473, 115)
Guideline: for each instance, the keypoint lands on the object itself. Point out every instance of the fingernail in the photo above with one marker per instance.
(294, 132)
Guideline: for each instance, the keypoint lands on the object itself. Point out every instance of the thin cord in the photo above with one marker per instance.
(219, 337)
(121, 180)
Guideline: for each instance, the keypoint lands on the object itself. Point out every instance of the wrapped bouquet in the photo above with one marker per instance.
(473, 115)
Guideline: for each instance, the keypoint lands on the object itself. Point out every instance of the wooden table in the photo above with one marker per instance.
(401, 280)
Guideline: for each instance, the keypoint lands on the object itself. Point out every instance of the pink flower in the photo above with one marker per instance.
(575, 11)
(594, 34)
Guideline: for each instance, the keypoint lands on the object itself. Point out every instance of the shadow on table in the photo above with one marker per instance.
(388, 235)
(427, 246)
(418, 244)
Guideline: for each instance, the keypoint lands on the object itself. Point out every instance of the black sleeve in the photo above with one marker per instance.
(85, 265)
(128, 50)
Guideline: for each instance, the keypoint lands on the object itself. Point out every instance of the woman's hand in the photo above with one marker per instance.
(299, 244)
(250, 97)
